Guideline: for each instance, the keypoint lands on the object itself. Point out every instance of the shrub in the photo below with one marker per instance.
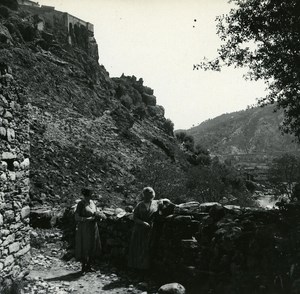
(180, 136)
(159, 172)
(187, 140)
(169, 127)
(217, 182)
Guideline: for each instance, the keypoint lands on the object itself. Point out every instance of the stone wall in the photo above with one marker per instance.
(210, 247)
(14, 179)
(65, 28)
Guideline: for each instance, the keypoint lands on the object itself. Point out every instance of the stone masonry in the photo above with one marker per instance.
(14, 179)
(210, 247)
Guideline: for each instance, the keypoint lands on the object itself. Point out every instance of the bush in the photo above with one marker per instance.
(160, 173)
(187, 140)
(169, 127)
(180, 136)
(217, 182)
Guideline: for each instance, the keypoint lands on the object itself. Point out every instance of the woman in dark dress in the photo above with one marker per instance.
(87, 243)
(143, 216)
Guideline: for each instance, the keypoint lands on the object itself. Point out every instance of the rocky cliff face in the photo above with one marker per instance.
(86, 128)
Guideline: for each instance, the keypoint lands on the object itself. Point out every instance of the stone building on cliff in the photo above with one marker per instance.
(74, 30)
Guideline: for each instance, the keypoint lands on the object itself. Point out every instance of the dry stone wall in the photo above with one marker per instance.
(213, 248)
(14, 179)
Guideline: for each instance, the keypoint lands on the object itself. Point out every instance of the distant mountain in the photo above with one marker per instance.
(251, 131)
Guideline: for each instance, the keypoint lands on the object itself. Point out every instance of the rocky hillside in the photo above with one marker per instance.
(86, 128)
(251, 131)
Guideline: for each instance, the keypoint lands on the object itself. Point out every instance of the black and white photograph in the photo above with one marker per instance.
(149, 147)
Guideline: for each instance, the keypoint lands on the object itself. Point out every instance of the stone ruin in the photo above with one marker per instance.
(14, 179)
(75, 31)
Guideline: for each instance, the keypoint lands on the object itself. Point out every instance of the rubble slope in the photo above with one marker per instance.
(86, 128)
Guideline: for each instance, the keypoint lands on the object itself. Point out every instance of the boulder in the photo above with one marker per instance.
(8, 155)
(2, 132)
(206, 207)
(10, 135)
(5, 36)
(172, 288)
(25, 212)
(187, 208)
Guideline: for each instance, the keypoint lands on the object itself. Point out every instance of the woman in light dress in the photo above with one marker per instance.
(87, 243)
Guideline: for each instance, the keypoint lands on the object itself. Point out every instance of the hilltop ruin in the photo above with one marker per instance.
(77, 32)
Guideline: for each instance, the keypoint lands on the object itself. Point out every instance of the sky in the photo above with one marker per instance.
(160, 41)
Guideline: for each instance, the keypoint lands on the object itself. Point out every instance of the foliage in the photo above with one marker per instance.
(159, 172)
(199, 154)
(204, 183)
(169, 126)
(180, 136)
(185, 139)
(217, 182)
(284, 172)
(202, 155)
(264, 35)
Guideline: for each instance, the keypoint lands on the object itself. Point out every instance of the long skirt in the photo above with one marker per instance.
(139, 249)
(87, 242)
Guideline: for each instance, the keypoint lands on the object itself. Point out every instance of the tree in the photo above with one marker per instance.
(264, 35)
(284, 173)
(169, 127)
(217, 182)
(200, 156)
(167, 180)
(185, 139)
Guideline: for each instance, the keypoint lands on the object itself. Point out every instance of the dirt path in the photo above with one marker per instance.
(49, 274)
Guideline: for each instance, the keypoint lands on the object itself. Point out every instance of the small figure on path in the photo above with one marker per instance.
(87, 242)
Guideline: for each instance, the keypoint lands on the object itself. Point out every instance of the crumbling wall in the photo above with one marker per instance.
(14, 179)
